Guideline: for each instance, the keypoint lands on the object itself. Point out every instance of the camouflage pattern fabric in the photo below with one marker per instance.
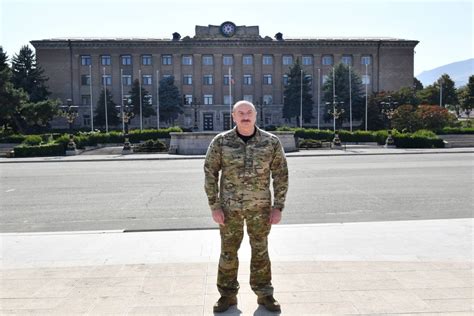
(243, 193)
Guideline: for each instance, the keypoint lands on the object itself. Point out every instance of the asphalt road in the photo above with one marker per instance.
(169, 194)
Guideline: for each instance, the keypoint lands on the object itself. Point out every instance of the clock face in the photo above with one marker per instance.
(228, 28)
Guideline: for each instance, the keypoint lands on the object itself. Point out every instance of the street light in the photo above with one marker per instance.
(195, 105)
(126, 114)
(336, 112)
(388, 109)
(69, 111)
(260, 106)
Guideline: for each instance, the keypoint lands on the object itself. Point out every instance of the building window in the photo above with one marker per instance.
(208, 99)
(248, 97)
(226, 80)
(287, 60)
(107, 80)
(228, 60)
(147, 80)
(347, 60)
(105, 60)
(267, 59)
(227, 99)
(188, 99)
(85, 60)
(366, 60)
(285, 80)
(207, 80)
(365, 79)
(127, 80)
(85, 80)
(208, 60)
(167, 76)
(126, 60)
(327, 60)
(86, 119)
(146, 59)
(187, 79)
(247, 60)
(167, 60)
(247, 80)
(85, 99)
(187, 60)
(267, 79)
(307, 60)
(308, 78)
(268, 99)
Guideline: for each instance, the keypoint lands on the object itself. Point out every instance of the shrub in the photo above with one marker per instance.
(433, 117)
(32, 140)
(310, 143)
(456, 130)
(15, 138)
(150, 146)
(39, 151)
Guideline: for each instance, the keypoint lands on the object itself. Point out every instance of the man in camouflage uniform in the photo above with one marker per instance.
(246, 157)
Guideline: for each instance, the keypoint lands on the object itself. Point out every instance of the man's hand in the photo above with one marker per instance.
(275, 216)
(218, 216)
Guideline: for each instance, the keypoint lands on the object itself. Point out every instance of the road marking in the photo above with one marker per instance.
(11, 190)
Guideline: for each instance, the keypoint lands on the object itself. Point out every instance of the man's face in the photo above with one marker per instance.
(244, 116)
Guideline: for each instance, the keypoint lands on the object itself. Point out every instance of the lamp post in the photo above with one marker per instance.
(69, 111)
(388, 109)
(195, 106)
(260, 105)
(336, 112)
(126, 114)
(441, 81)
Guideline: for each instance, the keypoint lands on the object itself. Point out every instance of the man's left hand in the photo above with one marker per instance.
(275, 216)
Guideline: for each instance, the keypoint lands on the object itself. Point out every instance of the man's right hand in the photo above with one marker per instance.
(218, 216)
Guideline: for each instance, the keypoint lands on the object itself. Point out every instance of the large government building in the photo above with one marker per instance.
(78, 69)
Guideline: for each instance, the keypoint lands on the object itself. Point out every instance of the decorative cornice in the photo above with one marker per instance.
(187, 42)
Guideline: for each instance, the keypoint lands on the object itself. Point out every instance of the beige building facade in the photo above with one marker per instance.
(78, 69)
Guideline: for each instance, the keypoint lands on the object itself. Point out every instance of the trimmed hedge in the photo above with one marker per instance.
(150, 146)
(40, 150)
(456, 130)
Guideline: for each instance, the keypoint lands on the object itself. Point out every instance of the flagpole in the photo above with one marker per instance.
(301, 99)
(158, 99)
(319, 92)
(90, 92)
(123, 105)
(334, 98)
(105, 103)
(140, 95)
(366, 87)
(350, 99)
(230, 97)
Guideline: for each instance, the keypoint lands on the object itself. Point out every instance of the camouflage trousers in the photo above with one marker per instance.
(232, 233)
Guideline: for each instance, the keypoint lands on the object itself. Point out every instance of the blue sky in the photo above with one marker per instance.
(444, 28)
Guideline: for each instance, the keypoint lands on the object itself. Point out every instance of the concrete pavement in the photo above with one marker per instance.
(352, 150)
(377, 268)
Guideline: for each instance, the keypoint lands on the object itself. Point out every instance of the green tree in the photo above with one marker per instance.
(112, 112)
(405, 120)
(16, 111)
(170, 101)
(417, 85)
(29, 76)
(292, 95)
(405, 95)
(147, 109)
(466, 97)
(448, 93)
(341, 80)
(429, 95)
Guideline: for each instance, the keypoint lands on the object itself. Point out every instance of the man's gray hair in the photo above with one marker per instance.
(242, 102)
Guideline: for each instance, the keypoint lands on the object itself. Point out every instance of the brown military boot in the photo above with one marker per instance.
(270, 303)
(224, 303)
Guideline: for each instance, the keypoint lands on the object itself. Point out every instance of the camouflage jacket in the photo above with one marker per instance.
(245, 171)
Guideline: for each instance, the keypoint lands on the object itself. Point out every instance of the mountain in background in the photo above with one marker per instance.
(458, 71)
